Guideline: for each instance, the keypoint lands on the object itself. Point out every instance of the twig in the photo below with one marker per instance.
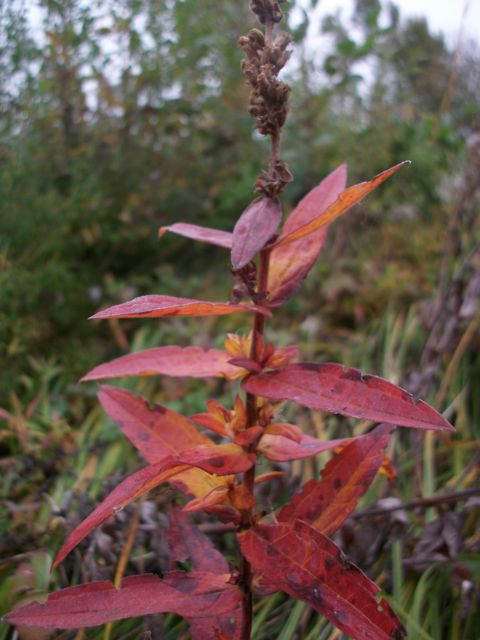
(448, 498)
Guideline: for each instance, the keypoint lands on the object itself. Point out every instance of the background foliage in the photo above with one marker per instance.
(118, 117)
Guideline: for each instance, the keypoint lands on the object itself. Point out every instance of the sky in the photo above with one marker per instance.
(444, 16)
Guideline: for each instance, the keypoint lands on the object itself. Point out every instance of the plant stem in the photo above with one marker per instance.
(251, 399)
(249, 476)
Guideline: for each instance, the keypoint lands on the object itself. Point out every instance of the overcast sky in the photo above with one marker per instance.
(447, 15)
(443, 15)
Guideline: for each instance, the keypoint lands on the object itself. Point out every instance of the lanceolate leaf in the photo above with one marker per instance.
(173, 361)
(155, 432)
(216, 459)
(298, 559)
(290, 263)
(162, 306)
(328, 502)
(159, 432)
(195, 593)
(345, 201)
(253, 230)
(202, 234)
(185, 542)
(281, 449)
(337, 389)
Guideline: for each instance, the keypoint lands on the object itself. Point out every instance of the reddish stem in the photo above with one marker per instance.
(249, 476)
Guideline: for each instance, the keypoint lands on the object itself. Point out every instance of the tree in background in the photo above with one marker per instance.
(114, 114)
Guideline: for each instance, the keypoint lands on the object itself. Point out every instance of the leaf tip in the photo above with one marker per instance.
(97, 316)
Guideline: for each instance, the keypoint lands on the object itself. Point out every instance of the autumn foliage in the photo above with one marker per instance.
(211, 457)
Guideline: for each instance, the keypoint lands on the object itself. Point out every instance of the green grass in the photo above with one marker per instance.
(62, 452)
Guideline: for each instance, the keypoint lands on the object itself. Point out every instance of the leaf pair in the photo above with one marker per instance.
(219, 460)
(296, 251)
(293, 556)
(177, 451)
(296, 557)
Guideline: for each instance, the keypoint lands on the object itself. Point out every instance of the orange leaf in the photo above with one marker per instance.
(281, 449)
(345, 201)
(154, 306)
(291, 263)
(289, 431)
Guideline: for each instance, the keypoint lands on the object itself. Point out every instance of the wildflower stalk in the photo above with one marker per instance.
(265, 57)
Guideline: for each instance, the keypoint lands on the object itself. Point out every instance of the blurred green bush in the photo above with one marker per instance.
(119, 116)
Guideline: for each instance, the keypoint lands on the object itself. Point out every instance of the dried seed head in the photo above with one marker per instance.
(267, 10)
(264, 59)
(273, 181)
(269, 96)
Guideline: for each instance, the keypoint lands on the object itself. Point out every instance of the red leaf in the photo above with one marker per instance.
(246, 363)
(247, 437)
(298, 559)
(229, 627)
(202, 234)
(215, 459)
(218, 496)
(159, 432)
(133, 487)
(254, 228)
(172, 361)
(290, 431)
(186, 541)
(334, 388)
(88, 605)
(282, 449)
(328, 502)
(290, 263)
(220, 459)
(345, 201)
(157, 306)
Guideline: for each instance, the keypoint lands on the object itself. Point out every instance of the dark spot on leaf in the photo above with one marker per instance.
(346, 564)
(310, 366)
(159, 409)
(337, 483)
(341, 616)
(329, 563)
(398, 634)
(353, 374)
(216, 462)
